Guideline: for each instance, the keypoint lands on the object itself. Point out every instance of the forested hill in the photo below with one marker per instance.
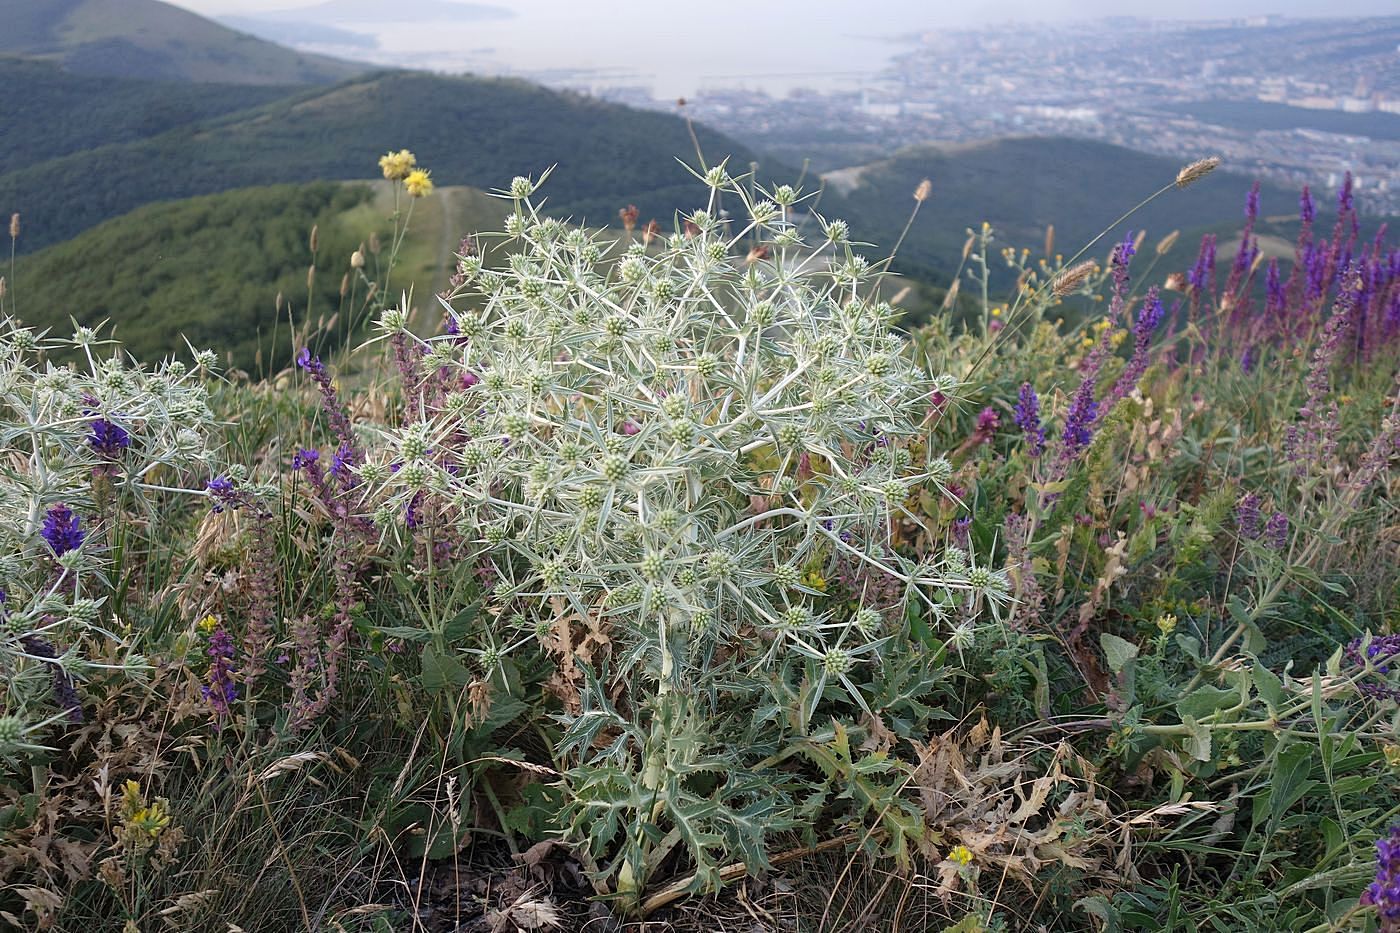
(468, 130)
(150, 39)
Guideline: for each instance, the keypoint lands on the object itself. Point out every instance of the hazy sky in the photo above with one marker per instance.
(877, 14)
(680, 47)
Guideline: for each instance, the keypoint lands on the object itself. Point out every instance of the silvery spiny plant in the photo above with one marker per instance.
(82, 447)
(673, 439)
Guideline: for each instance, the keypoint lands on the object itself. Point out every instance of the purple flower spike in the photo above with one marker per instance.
(1384, 893)
(1028, 419)
(62, 530)
(108, 438)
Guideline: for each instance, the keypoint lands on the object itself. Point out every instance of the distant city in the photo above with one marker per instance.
(1295, 101)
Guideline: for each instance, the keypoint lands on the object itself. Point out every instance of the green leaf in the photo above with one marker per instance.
(1198, 741)
(1119, 651)
(442, 671)
(1205, 701)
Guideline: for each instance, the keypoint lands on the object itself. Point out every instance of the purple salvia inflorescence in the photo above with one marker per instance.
(1307, 212)
(1384, 893)
(1378, 655)
(1248, 521)
(1276, 531)
(108, 438)
(1201, 277)
(330, 399)
(221, 690)
(1079, 422)
(65, 695)
(62, 530)
(1028, 419)
(1147, 323)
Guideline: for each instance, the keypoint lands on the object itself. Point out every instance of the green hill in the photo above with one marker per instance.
(50, 112)
(1021, 185)
(469, 131)
(209, 269)
(154, 40)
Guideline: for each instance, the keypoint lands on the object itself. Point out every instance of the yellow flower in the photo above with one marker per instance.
(1392, 756)
(132, 799)
(418, 183)
(208, 623)
(397, 165)
(960, 855)
(1166, 623)
(996, 312)
(150, 821)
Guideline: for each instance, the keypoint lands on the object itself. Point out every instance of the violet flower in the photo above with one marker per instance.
(1248, 521)
(108, 438)
(62, 530)
(221, 690)
(1384, 893)
(1028, 419)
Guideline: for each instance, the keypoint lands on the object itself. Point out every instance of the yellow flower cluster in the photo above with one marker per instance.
(397, 165)
(403, 166)
(418, 183)
(141, 820)
(961, 855)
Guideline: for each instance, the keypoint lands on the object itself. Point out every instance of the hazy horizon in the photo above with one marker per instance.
(679, 49)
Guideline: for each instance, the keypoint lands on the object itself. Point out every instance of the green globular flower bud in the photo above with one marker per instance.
(894, 491)
(653, 566)
(721, 564)
(393, 320)
(764, 314)
(717, 177)
(11, 734)
(495, 534)
(616, 326)
(716, 252)
(764, 212)
(517, 425)
(786, 576)
(979, 578)
(663, 289)
(521, 187)
(796, 617)
(836, 662)
(868, 621)
(673, 406)
(707, 365)
(632, 270)
(414, 443)
(940, 470)
(570, 452)
(590, 498)
(680, 431)
(665, 343)
(668, 520)
(790, 436)
(878, 366)
(615, 468)
(552, 573)
(785, 195)
(838, 231)
(688, 577)
(415, 475)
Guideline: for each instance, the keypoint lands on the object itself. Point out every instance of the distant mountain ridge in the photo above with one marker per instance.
(154, 40)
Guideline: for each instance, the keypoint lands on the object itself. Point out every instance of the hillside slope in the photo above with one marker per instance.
(49, 112)
(1021, 185)
(150, 39)
(469, 131)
